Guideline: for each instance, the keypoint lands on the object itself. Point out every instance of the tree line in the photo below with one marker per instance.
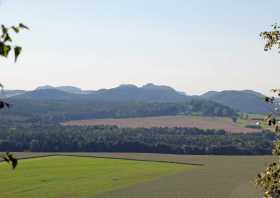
(57, 138)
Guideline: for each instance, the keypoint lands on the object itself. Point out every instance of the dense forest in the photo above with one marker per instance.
(56, 138)
(63, 110)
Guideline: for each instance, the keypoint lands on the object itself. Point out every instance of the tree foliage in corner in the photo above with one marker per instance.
(6, 47)
(6, 41)
(271, 38)
(269, 180)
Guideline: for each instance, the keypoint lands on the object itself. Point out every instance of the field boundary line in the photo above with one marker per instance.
(131, 159)
(32, 157)
(106, 157)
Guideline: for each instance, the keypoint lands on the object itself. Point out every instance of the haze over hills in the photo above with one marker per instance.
(68, 89)
(47, 94)
(11, 93)
(244, 101)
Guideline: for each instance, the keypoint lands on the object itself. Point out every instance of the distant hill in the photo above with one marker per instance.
(68, 89)
(122, 93)
(245, 101)
(11, 93)
(146, 93)
(45, 87)
(47, 94)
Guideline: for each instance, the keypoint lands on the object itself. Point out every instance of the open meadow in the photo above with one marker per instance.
(169, 121)
(109, 175)
(64, 176)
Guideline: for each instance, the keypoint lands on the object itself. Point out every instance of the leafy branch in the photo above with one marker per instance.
(6, 41)
(269, 179)
(10, 159)
(271, 38)
(6, 46)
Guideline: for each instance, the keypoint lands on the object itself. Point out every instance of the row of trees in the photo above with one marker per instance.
(57, 138)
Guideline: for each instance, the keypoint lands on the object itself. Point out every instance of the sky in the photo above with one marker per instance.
(191, 45)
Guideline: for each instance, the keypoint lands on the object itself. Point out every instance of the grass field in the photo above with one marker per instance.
(64, 176)
(169, 121)
(219, 177)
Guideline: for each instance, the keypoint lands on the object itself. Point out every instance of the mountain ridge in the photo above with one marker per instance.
(248, 101)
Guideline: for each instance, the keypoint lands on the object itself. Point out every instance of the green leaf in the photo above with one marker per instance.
(23, 26)
(7, 50)
(16, 29)
(4, 29)
(17, 51)
(7, 38)
(4, 49)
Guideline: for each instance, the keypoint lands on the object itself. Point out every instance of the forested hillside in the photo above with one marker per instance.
(244, 101)
(63, 110)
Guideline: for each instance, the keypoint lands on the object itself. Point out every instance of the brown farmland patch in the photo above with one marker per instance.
(167, 121)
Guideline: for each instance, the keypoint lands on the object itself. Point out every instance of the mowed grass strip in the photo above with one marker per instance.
(61, 176)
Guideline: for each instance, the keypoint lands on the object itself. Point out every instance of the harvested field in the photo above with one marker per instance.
(168, 121)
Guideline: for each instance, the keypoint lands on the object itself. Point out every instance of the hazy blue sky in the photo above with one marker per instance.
(192, 45)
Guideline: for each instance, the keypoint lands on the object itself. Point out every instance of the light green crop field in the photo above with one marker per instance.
(220, 177)
(77, 177)
(97, 175)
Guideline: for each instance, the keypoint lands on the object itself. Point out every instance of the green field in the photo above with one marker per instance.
(107, 175)
(220, 177)
(61, 176)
